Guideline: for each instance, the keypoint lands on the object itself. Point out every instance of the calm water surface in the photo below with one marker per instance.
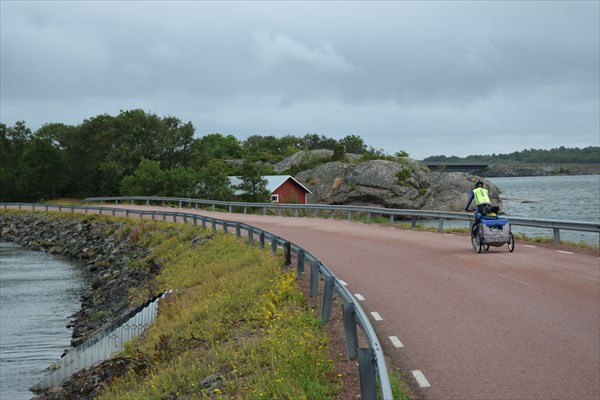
(38, 293)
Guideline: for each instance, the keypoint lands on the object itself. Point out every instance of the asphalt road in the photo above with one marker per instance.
(462, 325)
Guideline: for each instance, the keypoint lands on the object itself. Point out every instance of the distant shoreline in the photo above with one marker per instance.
(516, 170)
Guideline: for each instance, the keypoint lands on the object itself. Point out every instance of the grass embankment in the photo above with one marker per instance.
(235, 315)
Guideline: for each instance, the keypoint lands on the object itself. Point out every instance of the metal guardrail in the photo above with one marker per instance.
(392, 213)
(102, 345)
(373, 371)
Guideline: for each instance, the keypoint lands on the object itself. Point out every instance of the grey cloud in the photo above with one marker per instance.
(428, 77)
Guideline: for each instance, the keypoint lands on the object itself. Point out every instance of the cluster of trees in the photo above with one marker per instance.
(587, 155)
(140, 153)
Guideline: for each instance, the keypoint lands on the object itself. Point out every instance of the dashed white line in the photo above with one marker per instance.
(396, 342)
(376, 316)
(343, 283)
(564, 252)
(529, 245)
(359, 296)
(517, 280)
(420, 377)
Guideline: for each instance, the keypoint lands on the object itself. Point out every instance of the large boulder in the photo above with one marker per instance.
(307, 157)
(404, 184)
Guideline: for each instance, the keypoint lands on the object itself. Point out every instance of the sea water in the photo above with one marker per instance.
(38, 293)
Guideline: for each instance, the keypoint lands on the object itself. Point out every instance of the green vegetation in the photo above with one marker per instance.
(140, 153)
(587, 155)
(234, 314)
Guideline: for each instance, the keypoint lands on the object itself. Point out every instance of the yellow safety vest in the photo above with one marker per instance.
(481, 196)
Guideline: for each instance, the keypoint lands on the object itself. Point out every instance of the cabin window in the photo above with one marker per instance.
(274, 198)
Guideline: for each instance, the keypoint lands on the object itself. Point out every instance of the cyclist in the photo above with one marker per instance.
(482, 203)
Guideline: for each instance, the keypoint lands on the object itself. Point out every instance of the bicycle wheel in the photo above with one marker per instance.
(479, 239)
(474, 241)
(511, 242)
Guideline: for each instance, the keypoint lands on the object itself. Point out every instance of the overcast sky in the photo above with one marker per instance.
(427, 77)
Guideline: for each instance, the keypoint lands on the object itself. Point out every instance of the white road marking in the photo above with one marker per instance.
(528, 245)
(396, 342)
(359, 296)
(421, 380)
(376, 316)
(343, 283)
(517, 280)
(564, 252)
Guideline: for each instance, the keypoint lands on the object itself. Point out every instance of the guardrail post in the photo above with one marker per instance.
(230, 208)
(349, 313)
(126, 213)
(180, 204)
(414, 222)
(114, 213)
(287, 251)
(556, 235)
(261, 239)
(238, 230)
(349, 215)
(300, 268)
(214, 226)
(274, 244)
(367, 373)
(225, 227)
(279, 211)
(195, 220)
(203, 222)
(295, 212)
(314, 278)
(441, 225)
(369, 216)
(245, 209)
(327, 299)
(264, 210)
(391, 218)
(164, 216)
(250, 236)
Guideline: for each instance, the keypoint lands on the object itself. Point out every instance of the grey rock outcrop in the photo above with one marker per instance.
(405, 184)
(306, 157)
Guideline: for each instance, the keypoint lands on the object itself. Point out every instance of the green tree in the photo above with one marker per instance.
(253, 187)
(312, 141)
(13, 141)
(42, 170)
(339, 153)
(86, 147)
(180, 182)
(354, 144)
(221, 147)
(148, 179)
(213, 183)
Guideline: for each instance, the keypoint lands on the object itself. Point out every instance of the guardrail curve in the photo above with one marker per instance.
(555, 225)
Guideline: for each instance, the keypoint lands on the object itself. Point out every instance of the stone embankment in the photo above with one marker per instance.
(115, 264)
